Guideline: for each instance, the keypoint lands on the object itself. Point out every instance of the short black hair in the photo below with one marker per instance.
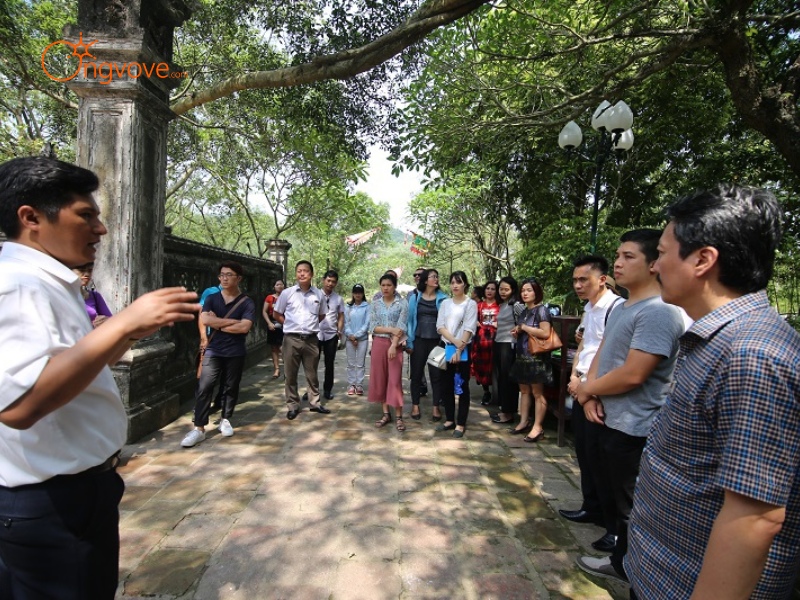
(512, 283)
(647, 239)
(390, 277)
(460, 277)
(46, 184)
(304, 262)
(233, 266)
(331, 273)
(538, 292)
(597, 263)
(422, 284)
(743, 223)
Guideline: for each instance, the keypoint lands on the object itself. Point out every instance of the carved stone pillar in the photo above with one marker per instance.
(279, 253)
(122, 136)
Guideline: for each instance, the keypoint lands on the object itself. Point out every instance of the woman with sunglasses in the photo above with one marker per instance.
(423, 310)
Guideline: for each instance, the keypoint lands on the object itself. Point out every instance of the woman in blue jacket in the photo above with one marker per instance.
(356, 333)
(423, 310)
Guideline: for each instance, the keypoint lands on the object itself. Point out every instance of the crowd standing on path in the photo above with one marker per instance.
(687, 440)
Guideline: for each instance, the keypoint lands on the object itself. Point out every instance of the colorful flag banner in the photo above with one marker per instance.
(360, 238)
(420, 245)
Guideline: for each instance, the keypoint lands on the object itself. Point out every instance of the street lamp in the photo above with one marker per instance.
(614, 125)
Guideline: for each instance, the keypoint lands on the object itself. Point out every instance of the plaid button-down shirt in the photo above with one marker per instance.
(731, 422)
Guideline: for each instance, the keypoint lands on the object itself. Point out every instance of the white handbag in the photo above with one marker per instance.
(436, 358)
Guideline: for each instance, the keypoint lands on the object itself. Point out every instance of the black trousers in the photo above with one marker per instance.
(327, 350)
(60, 538)
(419, 361)
(505, 390)
(598, 497)
(449, 394)
(620, 455)
(216, 368)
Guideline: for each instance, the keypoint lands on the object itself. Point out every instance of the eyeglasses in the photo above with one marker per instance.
(433, 276)
(227, 275)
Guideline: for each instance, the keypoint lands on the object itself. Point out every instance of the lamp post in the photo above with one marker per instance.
(613, 123)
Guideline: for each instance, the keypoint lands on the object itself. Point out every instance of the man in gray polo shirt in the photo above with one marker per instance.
(300, 309)
(627, 382)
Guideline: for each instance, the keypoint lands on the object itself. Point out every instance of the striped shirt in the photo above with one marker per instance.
(731, 422)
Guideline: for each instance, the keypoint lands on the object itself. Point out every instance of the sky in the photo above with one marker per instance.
(382, 186)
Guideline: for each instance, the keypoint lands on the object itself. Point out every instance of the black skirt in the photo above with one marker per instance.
(532, 369)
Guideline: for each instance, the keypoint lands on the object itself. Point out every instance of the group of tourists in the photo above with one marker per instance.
(688, 444)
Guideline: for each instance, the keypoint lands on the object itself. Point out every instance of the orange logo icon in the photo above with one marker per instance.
(81, 50)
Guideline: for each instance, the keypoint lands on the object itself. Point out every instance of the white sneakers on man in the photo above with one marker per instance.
(194, 437)
(225, 428)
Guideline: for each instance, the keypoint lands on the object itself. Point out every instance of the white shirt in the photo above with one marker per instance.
(42, 314)
(457, 317)
(594, 325)
(301, 310)
(333, 306)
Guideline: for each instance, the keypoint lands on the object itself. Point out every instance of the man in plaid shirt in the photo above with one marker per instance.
(717, 507)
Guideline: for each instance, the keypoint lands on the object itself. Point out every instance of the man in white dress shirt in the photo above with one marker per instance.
(300, 308)
(62, 422)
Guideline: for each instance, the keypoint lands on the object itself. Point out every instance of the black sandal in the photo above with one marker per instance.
(417, 416)
(401, 426)
(383, 420)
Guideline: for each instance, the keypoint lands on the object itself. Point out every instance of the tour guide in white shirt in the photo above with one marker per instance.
(300, 308)
(62, 422)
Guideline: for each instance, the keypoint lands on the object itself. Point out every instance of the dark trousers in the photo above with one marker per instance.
(449, 394)
(620, 455)
(214, 369)
(598, 497)
(60, 538)
(419, 360)
(504, 390)
(327, 350)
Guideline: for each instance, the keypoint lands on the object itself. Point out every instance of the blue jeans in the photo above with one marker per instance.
(216, 367)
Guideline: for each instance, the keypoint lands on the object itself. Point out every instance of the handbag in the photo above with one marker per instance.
(544, 345)
(200, 353)
(436, 358)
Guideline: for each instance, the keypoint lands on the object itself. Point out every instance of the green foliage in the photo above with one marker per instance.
(34, 110)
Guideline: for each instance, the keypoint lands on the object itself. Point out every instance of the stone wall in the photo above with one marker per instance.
(195, 266)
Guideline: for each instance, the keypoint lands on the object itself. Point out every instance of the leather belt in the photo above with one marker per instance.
(302, 336)
(112, 462)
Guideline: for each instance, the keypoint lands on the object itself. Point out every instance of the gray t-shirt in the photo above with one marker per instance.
(650, 326)
(507, 318)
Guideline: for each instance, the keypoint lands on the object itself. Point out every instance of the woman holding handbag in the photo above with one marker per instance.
(423, 310)
(532, 371)
(456, 323)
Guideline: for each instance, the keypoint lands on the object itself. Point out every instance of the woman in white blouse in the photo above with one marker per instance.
(456, 323)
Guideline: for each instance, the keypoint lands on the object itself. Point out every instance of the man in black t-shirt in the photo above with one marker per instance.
(230, 314)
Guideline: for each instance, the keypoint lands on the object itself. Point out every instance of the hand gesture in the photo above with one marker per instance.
(161, 308)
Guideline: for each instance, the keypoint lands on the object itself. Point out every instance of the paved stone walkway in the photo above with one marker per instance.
(327, 507)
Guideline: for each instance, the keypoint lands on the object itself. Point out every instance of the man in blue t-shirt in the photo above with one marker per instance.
(230, 314)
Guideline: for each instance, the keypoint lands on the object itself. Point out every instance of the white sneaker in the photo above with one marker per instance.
(225, 428)
(194, 437)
